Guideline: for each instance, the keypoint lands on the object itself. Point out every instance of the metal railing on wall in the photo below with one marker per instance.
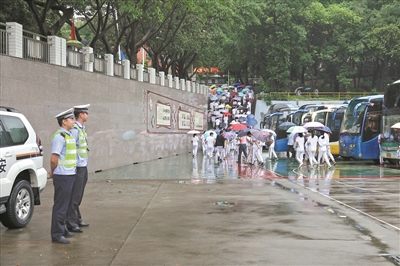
(118, 69)
(74, 58)
(3, 39)
(157, 79)
(134, 73)
(98, 64)
(35, 47)
(145, 76)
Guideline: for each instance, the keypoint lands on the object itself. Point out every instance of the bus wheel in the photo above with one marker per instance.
(376, 161)
(393, 161)
(345, 158)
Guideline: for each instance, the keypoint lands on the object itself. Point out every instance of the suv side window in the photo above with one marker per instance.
(15, 130)
(3, 138)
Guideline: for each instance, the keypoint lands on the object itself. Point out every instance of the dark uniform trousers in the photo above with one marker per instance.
(74, 215)
(63, 185)
(242, 149)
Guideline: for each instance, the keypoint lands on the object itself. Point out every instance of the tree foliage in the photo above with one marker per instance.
(336, 44)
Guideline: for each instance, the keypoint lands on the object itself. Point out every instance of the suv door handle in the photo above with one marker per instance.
(8, 155)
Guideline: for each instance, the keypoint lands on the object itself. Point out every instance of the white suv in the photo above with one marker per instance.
(22, 176)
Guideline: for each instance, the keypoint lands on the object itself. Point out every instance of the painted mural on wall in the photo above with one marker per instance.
(167, 115)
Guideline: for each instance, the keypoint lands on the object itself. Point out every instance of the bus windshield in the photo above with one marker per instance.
(351, 123)
(392, 97)
(391, 113)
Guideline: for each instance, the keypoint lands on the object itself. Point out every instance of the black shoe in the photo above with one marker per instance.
(69, 234)
(75, 230)
(82, 224)
(61, 240)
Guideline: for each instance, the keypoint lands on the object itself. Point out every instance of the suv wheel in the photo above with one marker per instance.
(19, 206)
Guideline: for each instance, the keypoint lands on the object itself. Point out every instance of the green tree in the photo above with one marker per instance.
(17, 11)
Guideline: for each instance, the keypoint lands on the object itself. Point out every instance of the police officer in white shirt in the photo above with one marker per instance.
(75, 222)
(62, 170)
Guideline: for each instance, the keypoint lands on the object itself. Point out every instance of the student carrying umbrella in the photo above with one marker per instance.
(323, 142)
(299, 147)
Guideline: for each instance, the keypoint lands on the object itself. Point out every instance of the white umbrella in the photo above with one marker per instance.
(397, 125)
(296, 129)
(268, 131)
(193, 132)
(216, 113)
(313, 125)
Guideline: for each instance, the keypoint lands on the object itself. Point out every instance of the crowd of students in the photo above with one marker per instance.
(229, 143)
(229, 104)
(312, 146)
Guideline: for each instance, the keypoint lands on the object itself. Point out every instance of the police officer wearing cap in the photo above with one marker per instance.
(74, 222)
(62, 170)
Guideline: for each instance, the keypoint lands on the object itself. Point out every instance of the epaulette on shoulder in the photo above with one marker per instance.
(62, 134)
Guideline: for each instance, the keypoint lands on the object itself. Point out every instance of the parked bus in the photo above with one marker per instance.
(274, 122)
(358, 138)
(284, 108)
(297, 116)
(331, 117)
(390, 140)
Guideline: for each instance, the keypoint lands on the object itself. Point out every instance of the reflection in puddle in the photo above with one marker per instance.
(225, 203)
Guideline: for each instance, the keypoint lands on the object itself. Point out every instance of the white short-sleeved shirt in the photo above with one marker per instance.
(195, 140)
(300, 143)
(312, 143)
(210, 141)
(323, 142)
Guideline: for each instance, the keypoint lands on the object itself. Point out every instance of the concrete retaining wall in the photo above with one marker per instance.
(124, 125)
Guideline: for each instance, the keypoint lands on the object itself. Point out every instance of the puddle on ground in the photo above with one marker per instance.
(366, 233)
(199, 181)
(225, 203)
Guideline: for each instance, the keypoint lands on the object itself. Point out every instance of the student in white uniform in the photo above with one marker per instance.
(210, 140)
(328, 150)
(195, 143)
(299, 147)
(256, 155)
(312, 143)
(271, 149)
(203, 144)
(322, 149)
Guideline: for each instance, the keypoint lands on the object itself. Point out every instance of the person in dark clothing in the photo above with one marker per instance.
(220, 144)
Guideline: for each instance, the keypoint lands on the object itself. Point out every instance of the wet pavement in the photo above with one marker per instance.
(196, 211)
